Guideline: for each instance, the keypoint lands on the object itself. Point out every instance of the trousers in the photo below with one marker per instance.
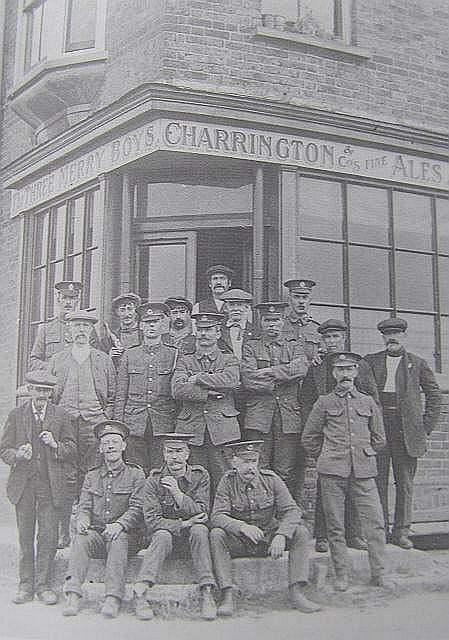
(93, 545)
(209, 456)
(353, 526)
(36, 507)
(225, 546)
(194, 540)
(404, 470)
(365, 497)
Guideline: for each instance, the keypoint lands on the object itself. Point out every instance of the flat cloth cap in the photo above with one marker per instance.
(344, 358)
(108, 427)
(220, 268)
(82, 315)
(332, 325)
(246, 450)
(152, 311)
(302, 285)
(69, 288)
(204, 320)
(392, 324)
(126, 297)
(237, 295)
(178, 301)
(41, 378)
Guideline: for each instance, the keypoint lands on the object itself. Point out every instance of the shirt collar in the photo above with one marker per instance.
(211, 355)
(301, 320)
(132, 329)
(231, 323)
(152, 347)
(187, 475)
(105, 471)
(355, 393)
(37, 413)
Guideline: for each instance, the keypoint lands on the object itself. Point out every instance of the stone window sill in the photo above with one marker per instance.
(330, 47)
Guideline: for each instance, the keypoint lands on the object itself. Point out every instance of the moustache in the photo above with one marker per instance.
(392, 341)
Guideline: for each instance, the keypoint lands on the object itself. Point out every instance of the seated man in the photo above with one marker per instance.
(109, 521)
(255, 515)
(175, 507)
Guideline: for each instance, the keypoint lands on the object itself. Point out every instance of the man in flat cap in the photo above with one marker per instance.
(86, 384)
(320, 381)
(55, 335)
(176, 502)
(237, 328)
(144, 401)
(255, 515)
(109, 521)
(203, 383)
(180, 333)
(400, 377)
(125, 330)
(219, 279)
(344, 432)
(298, 322)
(39, 444)
(272, 369)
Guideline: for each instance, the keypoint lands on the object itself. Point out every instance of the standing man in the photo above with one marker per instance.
(298, 322)
(126, 334)
(400, 377)
(345, 431)
(180, 334)
(219, 278)
(55, 335)
(176, 502)
(204, 383)
(320, 381)
(144, 401)
(38, 443)
(86, 383)
(255, 515)
(272, 369)
(236, 328)
(109, 522)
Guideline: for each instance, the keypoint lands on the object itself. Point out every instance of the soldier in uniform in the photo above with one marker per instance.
(255, 515)
(401, 376)
(109, 521)
(127, 333)
(204, 383)
(176, 505)
(272, 368)
(144, 401)
(344, 432)
(320, 381)
(298, 322)
(38, 443)
(55, 335)
(180, 334)
(219, 278)
(236, 329)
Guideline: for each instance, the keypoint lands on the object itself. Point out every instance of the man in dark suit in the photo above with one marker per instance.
(180, 333)
(38, 443)
(400, 377)
(219, 278)
(236, 328)
(320, 381)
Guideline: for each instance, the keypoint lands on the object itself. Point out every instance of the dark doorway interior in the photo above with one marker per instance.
(231, 247)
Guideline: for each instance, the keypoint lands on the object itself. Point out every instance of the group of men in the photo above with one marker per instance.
(198, 438)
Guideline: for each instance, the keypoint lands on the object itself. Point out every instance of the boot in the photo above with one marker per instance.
(208, 606)
(341, 581)
(402, 541)
(111, 607)
(72, 604)
(300, 602)
(357, 542)
(383, 582)
(142, 607)
(227, 604)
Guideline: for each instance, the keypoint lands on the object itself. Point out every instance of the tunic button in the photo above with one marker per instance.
(108, 499)
(151, 366)
(204, 411)
(150, 379)
(150, 391)
(149, 406)
(277, 398)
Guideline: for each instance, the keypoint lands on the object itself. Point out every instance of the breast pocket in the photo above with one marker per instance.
(335, 412)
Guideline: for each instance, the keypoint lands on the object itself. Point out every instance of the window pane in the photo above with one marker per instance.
(365, 338)
(442, 207)
(322, 12)
(320, 209)
(73, 268)
(412, 221)
(320, 314)
(421, 336)
(414, 289)
(323, 262)
(55, 274)
(75, 225)
(444, 284)
(91, 293)
(368, 218)
(81, 24)
(40, 239)
(35, 43)
(38, 296)
(445, 345)
(162, 271)
(57, 236)
(224, 195)
(369, 277)
(92, 219)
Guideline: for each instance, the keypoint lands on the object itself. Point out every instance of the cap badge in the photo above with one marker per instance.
(203, 318)
(250, 447)
(272, 309)
(302, 283)
(71, 287)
